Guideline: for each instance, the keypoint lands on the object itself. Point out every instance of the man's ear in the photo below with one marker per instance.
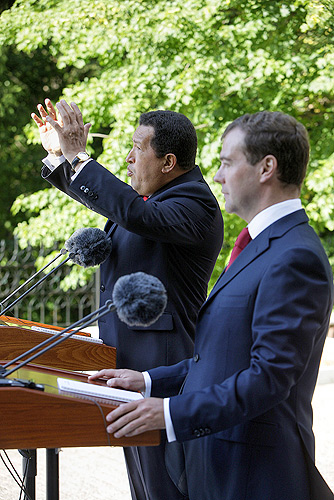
(169, 163)
(268, 168)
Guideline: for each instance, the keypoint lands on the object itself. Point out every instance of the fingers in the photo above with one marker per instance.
(44, 114)
(120, 383)
(37, 120)
(131, 419)
(51, 109)
(70, 114)
(86, 129)
(54, 124)
(106, 373)
(77, 113)
(126, 421)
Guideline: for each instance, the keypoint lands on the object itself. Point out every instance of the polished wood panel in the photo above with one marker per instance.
(47, 419)
(72, 354)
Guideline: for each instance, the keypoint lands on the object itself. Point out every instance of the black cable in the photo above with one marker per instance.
(24, 476)
(20, 483)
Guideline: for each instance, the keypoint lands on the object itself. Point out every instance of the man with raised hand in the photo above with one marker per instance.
(167, 223)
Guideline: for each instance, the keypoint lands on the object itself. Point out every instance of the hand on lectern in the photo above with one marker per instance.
(129, 380)
(131, 419)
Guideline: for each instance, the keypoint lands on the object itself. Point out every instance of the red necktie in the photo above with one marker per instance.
(145, 198)
(241, 242)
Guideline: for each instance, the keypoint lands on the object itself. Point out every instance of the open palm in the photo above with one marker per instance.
(49, 136)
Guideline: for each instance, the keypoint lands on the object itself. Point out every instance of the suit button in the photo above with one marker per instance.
(196, 358)
(82, 188)
(207, 431)
(102, 288)
(86, 190)
(197, 433)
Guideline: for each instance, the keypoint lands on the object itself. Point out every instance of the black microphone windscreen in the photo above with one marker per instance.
(90, 246)
(140, 299)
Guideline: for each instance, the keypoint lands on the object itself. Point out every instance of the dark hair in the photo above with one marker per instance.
(277, 134)
(173, 133)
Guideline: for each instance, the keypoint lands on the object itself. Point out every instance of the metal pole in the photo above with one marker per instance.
(52, 474)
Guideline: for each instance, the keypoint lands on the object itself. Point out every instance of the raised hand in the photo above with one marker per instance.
(72, 132)
(49, 136)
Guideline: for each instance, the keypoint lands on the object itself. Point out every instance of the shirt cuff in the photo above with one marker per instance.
(168, 422)
(80, 168)
(53, 161)
(148, 385)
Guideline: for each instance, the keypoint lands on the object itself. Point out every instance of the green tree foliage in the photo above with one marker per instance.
(212, 60)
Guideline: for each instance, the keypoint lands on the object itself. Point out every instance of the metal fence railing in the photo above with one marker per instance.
(47, 303)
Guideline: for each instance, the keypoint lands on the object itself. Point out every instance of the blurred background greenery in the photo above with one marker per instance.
(212, 60)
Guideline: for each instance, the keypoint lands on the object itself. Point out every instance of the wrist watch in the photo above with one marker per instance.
(79, 158)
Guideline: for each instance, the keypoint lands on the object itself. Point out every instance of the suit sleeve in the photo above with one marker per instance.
(168, 380)
(291, 312)
(185, 216)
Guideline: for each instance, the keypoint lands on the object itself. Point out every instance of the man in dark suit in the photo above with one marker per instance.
(242, 405)
(176, 235)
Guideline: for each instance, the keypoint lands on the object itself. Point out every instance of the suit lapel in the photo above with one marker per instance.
(257, 247)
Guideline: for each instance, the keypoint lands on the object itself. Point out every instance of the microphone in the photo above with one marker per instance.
(138, 298)
(90, 246)
(87, 247)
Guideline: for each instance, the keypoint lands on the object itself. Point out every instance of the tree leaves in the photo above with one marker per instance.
(211, 60)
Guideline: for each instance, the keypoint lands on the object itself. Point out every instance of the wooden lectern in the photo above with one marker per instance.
(72, 354)
(50, 419)
(47, 419)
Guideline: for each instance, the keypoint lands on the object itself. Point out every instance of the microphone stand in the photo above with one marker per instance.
(84, 322)
(29, 456)
(71, 255)
(63, 251)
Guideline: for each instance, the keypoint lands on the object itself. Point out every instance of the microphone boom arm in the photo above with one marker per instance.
(63, 251)
(99, 313)
(36, 284)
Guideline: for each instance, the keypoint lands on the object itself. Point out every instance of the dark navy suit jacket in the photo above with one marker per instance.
(244, 414)
(176, 235)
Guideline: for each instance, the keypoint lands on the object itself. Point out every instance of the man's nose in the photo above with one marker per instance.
(130, 157)
(219, 176)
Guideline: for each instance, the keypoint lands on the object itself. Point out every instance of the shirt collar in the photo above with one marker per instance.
(271, 214)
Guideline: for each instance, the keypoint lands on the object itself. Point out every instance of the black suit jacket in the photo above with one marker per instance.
(176, 235)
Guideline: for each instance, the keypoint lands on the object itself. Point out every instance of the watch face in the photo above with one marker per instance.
(82, 156)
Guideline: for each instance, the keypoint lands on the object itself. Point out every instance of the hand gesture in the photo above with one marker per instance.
(72, 132)
(49, 136)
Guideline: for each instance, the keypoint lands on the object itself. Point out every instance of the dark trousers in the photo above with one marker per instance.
(148, 476)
